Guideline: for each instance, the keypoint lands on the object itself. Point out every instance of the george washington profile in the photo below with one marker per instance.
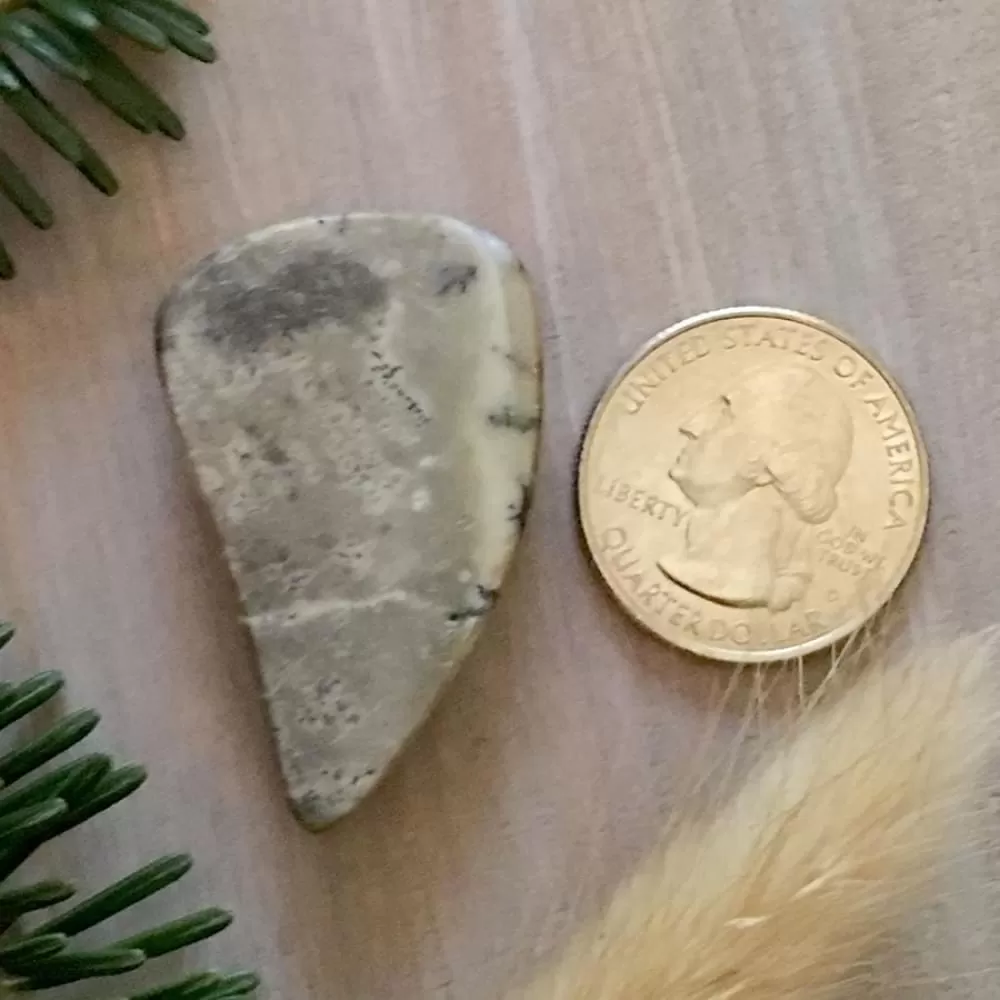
(760, 466)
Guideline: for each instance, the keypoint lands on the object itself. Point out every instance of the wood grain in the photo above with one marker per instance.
(649, 159)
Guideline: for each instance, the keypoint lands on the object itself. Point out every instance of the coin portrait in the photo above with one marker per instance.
(753, 486)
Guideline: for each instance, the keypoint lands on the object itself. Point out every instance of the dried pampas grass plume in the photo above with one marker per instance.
(782, 894)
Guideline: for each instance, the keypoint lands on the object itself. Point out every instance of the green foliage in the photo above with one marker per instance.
(63, 36)
(39, 950)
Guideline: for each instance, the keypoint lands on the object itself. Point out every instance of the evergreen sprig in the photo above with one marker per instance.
(63, 36)
(39, 804)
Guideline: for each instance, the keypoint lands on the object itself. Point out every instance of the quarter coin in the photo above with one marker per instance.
(753, 486)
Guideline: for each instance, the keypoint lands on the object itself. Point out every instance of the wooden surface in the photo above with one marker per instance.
(649, 159)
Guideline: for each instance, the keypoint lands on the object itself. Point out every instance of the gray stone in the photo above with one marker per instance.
(360, 397)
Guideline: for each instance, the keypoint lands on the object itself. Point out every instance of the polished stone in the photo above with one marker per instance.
(360, 398)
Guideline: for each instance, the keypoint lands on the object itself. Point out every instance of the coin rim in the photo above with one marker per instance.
(762, 312)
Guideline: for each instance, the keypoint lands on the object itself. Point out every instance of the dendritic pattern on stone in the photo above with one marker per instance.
(360, 398)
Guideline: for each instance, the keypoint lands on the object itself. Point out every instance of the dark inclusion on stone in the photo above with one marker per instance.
(456, 278)
(248, 303)
(486, 597)
(511, 420)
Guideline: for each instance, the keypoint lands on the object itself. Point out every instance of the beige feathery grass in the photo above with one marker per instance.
(785, 890)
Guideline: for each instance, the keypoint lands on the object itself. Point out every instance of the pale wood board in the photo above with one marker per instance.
(648, 159)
